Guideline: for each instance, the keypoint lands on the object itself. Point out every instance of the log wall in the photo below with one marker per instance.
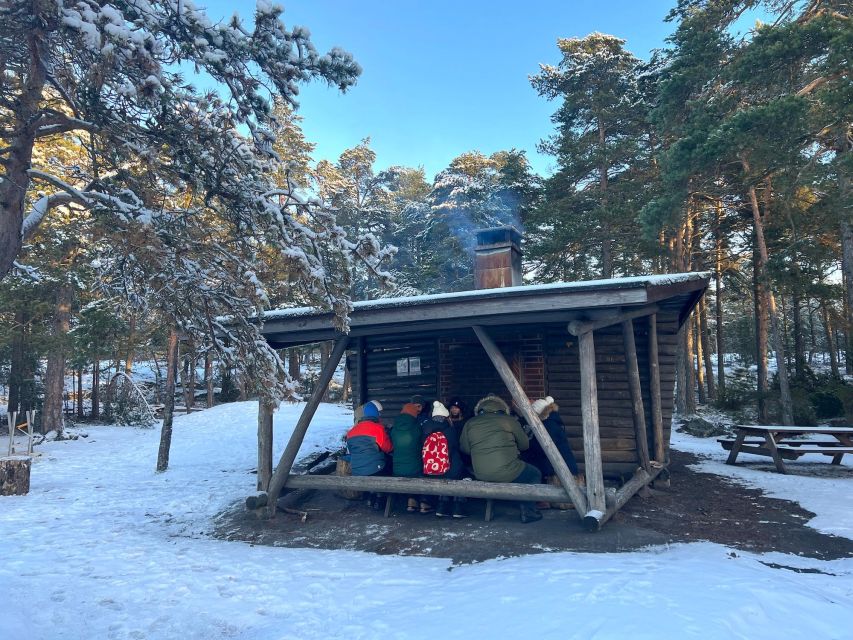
(544, 358)
(381, 380)
(616, 425)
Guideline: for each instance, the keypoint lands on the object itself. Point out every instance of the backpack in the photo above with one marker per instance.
(436, 454)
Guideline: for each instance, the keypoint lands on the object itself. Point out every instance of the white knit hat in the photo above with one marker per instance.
(541, 403)
(439, 409)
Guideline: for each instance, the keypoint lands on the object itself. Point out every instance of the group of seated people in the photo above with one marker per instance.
(439, 440)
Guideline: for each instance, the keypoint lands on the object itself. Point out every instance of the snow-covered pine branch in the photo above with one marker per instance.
(183, 202)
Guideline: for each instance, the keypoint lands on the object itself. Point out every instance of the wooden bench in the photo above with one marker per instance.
(778, 443)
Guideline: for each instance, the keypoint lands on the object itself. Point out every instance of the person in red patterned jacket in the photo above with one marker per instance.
(368, 443)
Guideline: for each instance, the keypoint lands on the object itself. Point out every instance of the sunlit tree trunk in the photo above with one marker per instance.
(168, 401)
(53, 418)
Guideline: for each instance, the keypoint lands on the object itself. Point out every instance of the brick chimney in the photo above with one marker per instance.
(497, 258)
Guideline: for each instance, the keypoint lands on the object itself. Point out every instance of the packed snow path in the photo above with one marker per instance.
(103, 547)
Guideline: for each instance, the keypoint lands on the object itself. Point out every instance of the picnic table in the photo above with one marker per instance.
(780, 442)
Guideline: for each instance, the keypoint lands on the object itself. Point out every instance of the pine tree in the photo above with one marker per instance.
(474, 192)
(587, 214)
(183, 200)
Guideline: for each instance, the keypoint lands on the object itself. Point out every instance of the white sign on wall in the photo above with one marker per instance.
(408, 367)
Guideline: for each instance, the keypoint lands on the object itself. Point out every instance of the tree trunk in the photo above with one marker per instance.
(208, 376)
(96, 386)
(847, 266)
(293, 364)
(830, 341)
(189, 377)
(131, 346)
(606, 239)
(25, 122)
(718, 302)
(79, 393)
(706, 349)
(15, 475)
(700, 360)
(53, 418)
(17, 365)
(169, 401)
(158, 378)
(812, 337)
(345, 392)
(760, 337)
(325, 351)
(799, 343)
(775, 324)
(689, 368)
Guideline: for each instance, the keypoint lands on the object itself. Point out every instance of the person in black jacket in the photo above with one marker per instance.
(548, 411)
(439, 423)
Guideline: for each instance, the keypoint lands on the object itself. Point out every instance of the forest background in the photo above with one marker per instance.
(723, 152)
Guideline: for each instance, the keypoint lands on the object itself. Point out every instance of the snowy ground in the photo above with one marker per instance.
(103, 547)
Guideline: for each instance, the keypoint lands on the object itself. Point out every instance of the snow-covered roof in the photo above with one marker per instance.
(507, 305)
(634, 282)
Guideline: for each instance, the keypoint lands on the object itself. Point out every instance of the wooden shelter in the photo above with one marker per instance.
(605, 350)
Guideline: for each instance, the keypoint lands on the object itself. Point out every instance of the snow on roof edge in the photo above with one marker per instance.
(473, 294)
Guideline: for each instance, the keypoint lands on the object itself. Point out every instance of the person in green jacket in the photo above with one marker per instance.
(407, 439)
(495, 440)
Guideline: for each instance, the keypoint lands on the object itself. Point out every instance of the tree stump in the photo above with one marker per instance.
(15, 475)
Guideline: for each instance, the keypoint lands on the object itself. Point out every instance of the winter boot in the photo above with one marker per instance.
(529, 514)
(459, 510)
(412, 505)
(443, 508)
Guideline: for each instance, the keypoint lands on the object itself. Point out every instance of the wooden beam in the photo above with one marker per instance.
(578, 327)
(637, 408)
(285, 463)
(591, 441)
(431, 486)
(461, 306)
(265, 435)
(654, 391)
(640, 480)
(361, 369)
(517, 392)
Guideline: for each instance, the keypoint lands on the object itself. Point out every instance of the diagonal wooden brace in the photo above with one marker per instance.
(554, 457)
(288, 457)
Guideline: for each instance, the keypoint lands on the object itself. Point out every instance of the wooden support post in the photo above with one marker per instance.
(591, 439)
(490, 506)
(265, 436)
(288, 457)
(637, 407)
(561, 470)
(639, 481)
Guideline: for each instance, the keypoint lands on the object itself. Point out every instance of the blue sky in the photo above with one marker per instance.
(441, 77)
